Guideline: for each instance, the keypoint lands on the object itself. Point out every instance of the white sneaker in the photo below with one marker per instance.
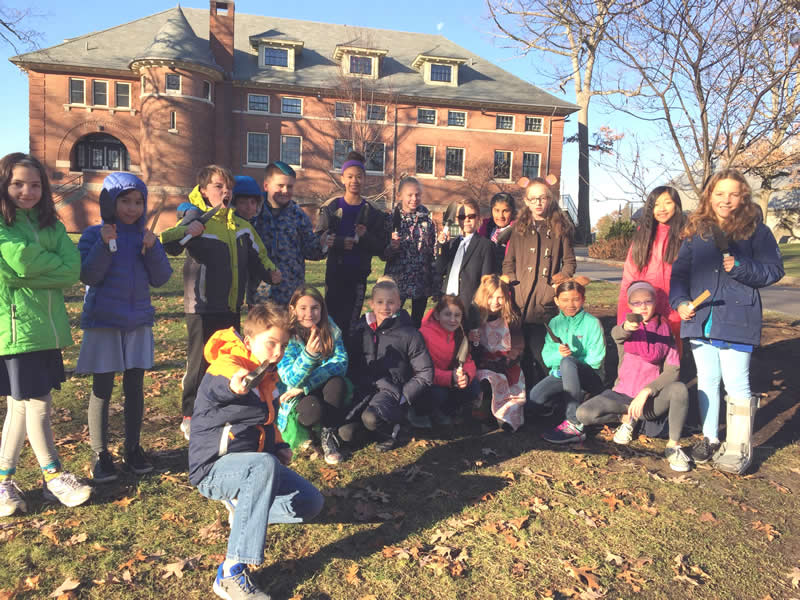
(11, 499)
(186, 427)
(67, 489)
(624, 434)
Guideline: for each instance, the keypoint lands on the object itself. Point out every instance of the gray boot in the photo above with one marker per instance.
(736, 452)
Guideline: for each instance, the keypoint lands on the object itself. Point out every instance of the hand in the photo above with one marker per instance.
(237, 382)
(637, 404)
(329, 239)
(460, 378)
(361, 230)
(686, 311)
(728, 263)
(628, 326)
(289, 394)
(348, 243)
(284, 455)
(276, 277)
(195, 228)
(313, 345)
(108, 232)
(148, 240)
(474, 336)
(564, 350)
(395, 243)
(444, 235)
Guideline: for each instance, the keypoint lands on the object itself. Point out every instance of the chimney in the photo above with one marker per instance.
(220, 33)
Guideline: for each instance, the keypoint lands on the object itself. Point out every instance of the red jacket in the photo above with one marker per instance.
(442, 348)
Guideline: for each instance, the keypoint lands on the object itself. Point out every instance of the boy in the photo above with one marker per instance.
(236, 454)
(247, 199)
(221, 255)
(389, 366)
(287, 234)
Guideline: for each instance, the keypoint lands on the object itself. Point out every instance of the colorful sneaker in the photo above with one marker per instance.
(624, 434)
(11, 499)
(186, 427)
(67, 489)
(703, 450)
(419, 421)
(103, 469)
(238, 585)
(566, 433)
(330, 446)
(137, 461)
(677, 459)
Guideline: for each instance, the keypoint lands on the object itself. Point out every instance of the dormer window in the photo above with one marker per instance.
(275, 57)
(443, 73)
(438, 70)
(276, 52)
(361, 65)
(357, 61)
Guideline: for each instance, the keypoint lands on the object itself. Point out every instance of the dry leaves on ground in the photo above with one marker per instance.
(687, 573)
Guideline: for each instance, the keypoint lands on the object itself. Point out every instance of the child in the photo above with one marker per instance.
(38, 261)
(313, 369)
(576, 363)
(653, 250)
(246, 199)
(117, 316)
(287, 234)
(454, 385)
(222, 254)
(409, 255)
(355, 231)
(236, 454)
(389, 366)
(498, 226)
(647, 383)
(730, 252)
(498, 352)
(539, 255)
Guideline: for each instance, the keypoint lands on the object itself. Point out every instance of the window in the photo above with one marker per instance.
(530, 164)
(173, 82)
(258, 148)
(207, 90)
(504, 122)
(375, 156)
(502, 164)
(361, 65)
(426, 116)
(341, 148)
(344, 110)
(456, 118)
(100, 93)
(77, 93)
(441, 73)
(276, 57)
(533, 124)
(173, 121)
(257, 103)
(122, 93)
(425, 156)
(376, 112)
(291, 106)
(454, 162)
(290, 149)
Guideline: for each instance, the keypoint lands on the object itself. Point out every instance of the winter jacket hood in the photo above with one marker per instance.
(114, 186)
(441, 345)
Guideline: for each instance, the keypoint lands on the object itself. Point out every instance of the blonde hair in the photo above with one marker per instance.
(385, 283)
(742, 222)
(326, 340)
(263, 316)
(489, 285)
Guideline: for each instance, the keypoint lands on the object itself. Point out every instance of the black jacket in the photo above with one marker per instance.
(478, 261)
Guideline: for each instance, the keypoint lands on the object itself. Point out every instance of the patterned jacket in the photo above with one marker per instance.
(411, 264)
(299, 369)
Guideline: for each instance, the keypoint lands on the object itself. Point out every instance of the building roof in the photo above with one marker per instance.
(182, 34)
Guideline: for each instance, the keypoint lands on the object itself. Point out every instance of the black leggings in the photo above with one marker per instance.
(102, 387)
(533, 366)
(344, 300)
(417, 309)
(609, 406)
(323, 405)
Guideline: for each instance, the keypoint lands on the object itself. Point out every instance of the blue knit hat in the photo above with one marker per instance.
(246, 186)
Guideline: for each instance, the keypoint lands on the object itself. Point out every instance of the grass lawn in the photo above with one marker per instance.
(465, 514)
(791, 259)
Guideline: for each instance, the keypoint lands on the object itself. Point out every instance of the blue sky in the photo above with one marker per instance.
(464, 22)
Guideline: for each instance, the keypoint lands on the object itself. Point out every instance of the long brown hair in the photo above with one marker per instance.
(326, 340)
(555, 218)
(489, 285)
(45, 207)
(642, 245)
(742, 222)
(458, 334)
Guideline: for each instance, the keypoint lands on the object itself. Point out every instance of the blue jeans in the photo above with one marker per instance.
(575, 377)
(715, 364)
(266, 492)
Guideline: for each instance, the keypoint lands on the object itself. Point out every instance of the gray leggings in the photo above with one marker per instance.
(102, 386)
(609, 406)
(31, 417)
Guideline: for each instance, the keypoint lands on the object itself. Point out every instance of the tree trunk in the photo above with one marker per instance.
(583, 234)
(763, 200)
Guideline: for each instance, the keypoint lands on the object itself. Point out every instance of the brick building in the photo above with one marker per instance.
(171, 92)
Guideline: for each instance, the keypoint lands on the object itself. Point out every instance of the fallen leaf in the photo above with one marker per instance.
(99, 548)
(176, 568)
(614, 559)
(352, 577)
(519, 569)
(78, 538)
(329, 475)
(584, 575)
(708, 517)
(509, 475)
(441, 535)
(768, 529)
(780, 487)
(50, 533)
(794, 575)
(124, 502)
(613, 502)
(32, 583)
(68, 585)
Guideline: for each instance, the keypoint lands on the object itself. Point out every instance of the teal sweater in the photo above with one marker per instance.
(583, 333)
(298, 369)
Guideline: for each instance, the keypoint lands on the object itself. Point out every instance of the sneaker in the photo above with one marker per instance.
(137, 461)
(237, 586)
(230, 506)
(624, 434)
(103, 469)
(11, 499)
(441, 419)
(703, 450)
(566, 433)
(186, 427)
(419, 421)
(330, 446)
(67, 489)
(677, 459)
(390, 442)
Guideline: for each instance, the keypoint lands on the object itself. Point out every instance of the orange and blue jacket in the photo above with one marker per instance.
(225, 422)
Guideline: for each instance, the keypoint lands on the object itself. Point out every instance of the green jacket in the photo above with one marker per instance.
(35, 266)
(583, 333)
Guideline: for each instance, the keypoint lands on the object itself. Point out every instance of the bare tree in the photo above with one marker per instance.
(14, 30)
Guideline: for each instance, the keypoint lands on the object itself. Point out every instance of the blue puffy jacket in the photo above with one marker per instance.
(118, 283)
(736, 303)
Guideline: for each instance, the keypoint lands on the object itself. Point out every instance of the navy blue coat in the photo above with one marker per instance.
(118, 283)
(736, 303)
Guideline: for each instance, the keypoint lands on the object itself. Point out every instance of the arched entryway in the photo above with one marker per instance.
(99, 152)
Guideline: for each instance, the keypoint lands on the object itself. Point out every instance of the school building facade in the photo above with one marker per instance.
(166, 94)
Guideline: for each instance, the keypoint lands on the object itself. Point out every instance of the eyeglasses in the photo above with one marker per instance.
(641, 303)
(538, 200)
(471, 217)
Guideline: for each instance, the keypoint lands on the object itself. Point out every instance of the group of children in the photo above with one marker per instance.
(501, 346)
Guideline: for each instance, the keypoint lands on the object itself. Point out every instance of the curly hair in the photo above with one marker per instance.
(555, 218)
(642, 244)
(45, 207)
(740, 225)
(489, 285)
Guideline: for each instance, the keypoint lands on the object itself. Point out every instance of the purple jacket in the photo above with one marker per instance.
(647, 357)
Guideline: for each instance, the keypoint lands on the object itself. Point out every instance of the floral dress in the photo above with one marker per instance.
(411, 265)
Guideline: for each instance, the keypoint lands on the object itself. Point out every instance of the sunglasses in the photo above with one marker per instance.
(472, 217)
(641, 303)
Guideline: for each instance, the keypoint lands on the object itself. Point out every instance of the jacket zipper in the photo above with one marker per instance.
(13, 323)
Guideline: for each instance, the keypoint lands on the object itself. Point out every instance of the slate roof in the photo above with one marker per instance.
(480, 81)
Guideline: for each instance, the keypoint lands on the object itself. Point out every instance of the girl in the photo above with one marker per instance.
(647, 383)
(499, 349)
(539, 255)
(312, 374)
(653, 250)
(117, 318)
(37, 261)
(454, 385)
(356, 231)
(727, 250)
(498, 226)
(409, 256)
(575, 361)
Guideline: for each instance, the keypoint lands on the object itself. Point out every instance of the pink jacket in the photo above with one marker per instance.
(442, 347)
